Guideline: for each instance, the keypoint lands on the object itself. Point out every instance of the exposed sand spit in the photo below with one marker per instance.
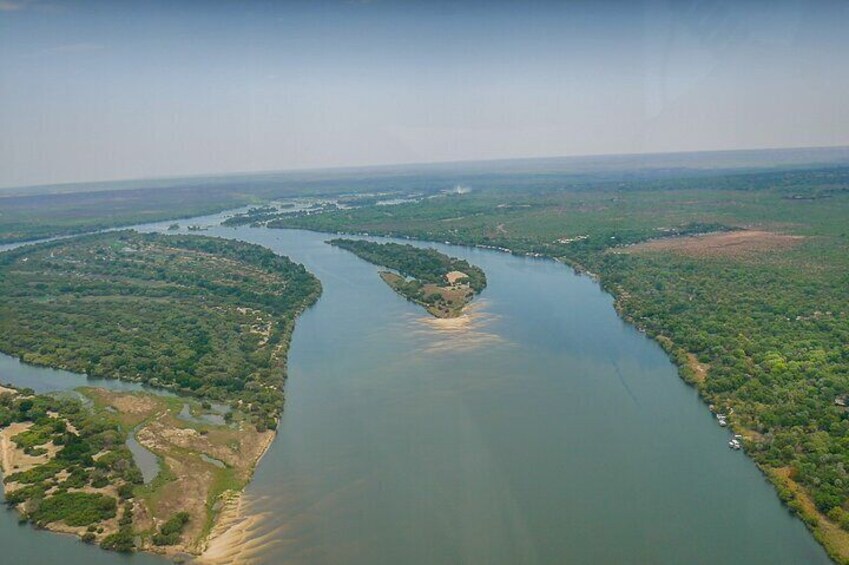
(238, 535)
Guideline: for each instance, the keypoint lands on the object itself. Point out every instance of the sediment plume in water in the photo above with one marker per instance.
(465, 332)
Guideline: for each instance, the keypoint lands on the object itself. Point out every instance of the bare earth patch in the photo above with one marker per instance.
(730, 244)
(129, 409)
(13, 459)
(700, 370)
(454, 276)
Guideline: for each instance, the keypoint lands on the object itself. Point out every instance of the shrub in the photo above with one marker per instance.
(75, 508)
(122, 541)
(170, 532)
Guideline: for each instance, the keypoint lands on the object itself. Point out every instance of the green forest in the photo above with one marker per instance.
(768, 318)
(198, 315)
(429, 266)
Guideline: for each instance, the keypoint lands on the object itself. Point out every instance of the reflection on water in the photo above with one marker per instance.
(45, 379)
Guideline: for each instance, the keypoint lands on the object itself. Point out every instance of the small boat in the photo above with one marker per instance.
(734, 443)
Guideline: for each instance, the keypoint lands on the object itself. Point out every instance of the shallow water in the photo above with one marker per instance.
(146, 460)
(216, 419)
(45, 379)
(541, 429)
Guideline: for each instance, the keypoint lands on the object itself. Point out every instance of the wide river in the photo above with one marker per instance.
(542, 429)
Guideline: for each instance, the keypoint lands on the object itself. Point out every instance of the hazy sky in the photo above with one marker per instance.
(105, 90)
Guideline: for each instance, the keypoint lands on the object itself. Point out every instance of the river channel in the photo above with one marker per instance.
(540, 428)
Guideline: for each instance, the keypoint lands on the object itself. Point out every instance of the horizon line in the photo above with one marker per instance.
(409, 164)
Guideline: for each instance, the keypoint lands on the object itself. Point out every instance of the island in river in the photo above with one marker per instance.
(443, 285)
(205, 317)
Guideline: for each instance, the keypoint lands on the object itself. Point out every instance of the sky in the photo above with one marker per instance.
(94, 91)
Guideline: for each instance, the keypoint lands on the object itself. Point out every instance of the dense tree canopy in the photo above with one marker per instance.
(442, 284)
(201, 315)
(426, 265)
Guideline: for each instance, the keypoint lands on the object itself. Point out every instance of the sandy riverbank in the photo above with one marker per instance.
(13, 459)
(232, 538)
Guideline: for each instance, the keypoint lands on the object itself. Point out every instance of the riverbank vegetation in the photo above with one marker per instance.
(198, 315)
(442, 284)
(202, 457)
(746, 291)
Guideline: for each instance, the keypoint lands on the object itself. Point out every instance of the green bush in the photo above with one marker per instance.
(75, 509)
(170, 532)
(36, 474)
(121, 541)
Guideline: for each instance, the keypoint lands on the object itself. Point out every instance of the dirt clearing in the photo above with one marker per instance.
(730, 244)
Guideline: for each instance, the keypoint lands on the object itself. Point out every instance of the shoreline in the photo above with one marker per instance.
(389, 278)
(232, 522)
(793, 496)
(227, 513)
(5, 457)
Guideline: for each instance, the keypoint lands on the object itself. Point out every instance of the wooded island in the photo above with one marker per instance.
(442, 284)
